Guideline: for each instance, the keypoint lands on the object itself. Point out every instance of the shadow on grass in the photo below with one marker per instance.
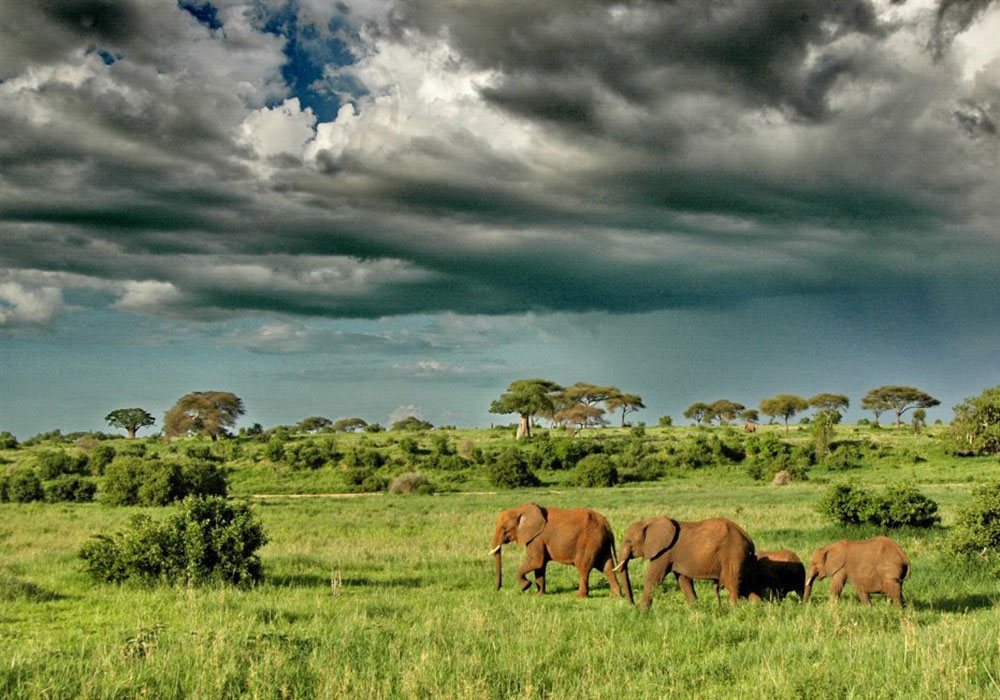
(13, 589)
(973, 601)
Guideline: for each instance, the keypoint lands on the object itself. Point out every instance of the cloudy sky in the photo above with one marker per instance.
(383, 207)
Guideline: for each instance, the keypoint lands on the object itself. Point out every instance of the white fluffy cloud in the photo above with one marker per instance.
(28, 306)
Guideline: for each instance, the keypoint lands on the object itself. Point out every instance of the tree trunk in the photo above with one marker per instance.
(523, 428)
(131, 433)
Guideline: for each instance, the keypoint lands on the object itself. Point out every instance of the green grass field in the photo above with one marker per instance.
(392, 596)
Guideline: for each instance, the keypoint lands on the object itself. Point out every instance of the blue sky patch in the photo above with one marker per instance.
(205, 12)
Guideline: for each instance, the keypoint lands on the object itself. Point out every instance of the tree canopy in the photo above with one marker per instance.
(628, 403)
(830, 403)
(527, 398)
(723, 410)
(898, 399)
(975, 429)
(697, 412)
(783, 405)
(206, 412)
(314, 424)
(581, 415)
(129, 419)
(349, 425)
(411, 423)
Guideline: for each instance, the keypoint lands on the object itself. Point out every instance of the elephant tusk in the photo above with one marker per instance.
(496, 549)
(621, 565)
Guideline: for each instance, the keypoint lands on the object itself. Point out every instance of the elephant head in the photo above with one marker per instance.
(647, 539)
(826, 561)
(522, 524)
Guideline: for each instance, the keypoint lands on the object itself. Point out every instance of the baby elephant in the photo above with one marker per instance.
(580, 537)
(877, 565)
(778, 574)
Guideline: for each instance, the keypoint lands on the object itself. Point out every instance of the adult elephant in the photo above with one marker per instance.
(875, 565)
(578, 536)
(778, 573)
(714, 550)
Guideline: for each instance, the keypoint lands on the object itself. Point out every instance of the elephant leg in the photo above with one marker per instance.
(540, 578)
(687, 588)
(584, 571)
(863, 595)
(837, 584)
(654, 577)
(609, 573)
(894, 589)
(715, 586)
(533, 560)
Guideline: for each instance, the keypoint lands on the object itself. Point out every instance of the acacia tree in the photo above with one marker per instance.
(582, 416)
(975, 429)
(527, 398)
(750, 415)
(783, 405)
(898, 399)
(831, 404)
(628, 403)
(876, 404)
(349, 425)
(723, 410)
(697, 412)
(314, 424)
(129, 419)
(586, 393)
(205, 412)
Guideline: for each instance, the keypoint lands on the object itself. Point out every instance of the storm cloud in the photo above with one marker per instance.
(216, 160)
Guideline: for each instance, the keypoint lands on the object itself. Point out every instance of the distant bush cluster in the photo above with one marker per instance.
(135, 481)
(896, 506)
(976, 535)
(206, 540)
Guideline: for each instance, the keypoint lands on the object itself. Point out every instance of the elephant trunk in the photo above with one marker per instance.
(810, 577)
(626, 582)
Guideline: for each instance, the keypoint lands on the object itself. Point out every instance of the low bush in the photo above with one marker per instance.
(132, 448)
(411, 482)
(8, 441)
(363, 457)
(207, 540)
(133, 481)
(309, 454)
(843, 457)
(51, 463)
(897, 506)
(976, 534)
(24, 486)
(596, 470)
(767, 455)
(70, 487)
(99, 458)
(508, 469)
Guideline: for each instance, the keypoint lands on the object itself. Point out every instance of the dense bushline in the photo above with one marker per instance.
(896, 506)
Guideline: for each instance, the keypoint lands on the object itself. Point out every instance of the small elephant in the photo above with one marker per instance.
(876, 565)
(778, 573)
(716, 550)
(579, 537)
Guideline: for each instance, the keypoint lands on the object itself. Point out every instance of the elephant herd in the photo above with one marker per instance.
(716, 550)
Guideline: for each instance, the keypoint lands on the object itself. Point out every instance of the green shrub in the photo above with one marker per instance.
(24, 486)
(51, 463)
(99, 459)
(374, 483)
(638, 431)
(897, 506)
(160, 483)
(451, 463)
(4, 486)
(666, 421)
(8, 441)
(274, 450)
(70, 487)
(309, 454)
(976, 534)
(767, 455)
(132, 481)
(409, 446)
(203, 478)
(442, 445)
(363, 458)
(508, 469)
(207, 540)
(843, 457)
(131, 448)
(596, 470)
(411, 482)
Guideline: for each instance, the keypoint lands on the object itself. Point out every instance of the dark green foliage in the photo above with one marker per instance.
(131, 449)
(411, 482)
(4, 485)
(70, 487)
(409, 446)
(99, 458)
(51, 463)
(666, 421)
(309, 454)
(201, 451)
(207, 540)
(447, 462)
(8, 441)
(845, 456)
(363, 457)
(133, 481)
(441, 445)
(638, 431)
(976, 534)
(53, 436)
(508, 469)
(411, 423)
(24, 486)
(596, 470)
(274, 450)
(700, 451)
(767, 455)
(373, 428)
(975, 429)
(897, 506)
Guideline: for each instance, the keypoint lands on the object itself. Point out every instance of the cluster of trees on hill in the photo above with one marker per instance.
(898, 399)
(578, 405)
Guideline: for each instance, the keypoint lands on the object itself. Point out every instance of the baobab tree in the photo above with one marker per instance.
(129, 419)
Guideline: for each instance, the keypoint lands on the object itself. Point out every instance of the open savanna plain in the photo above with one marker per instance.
(393, 596)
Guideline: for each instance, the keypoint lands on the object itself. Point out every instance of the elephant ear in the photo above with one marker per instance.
(530, 523)
(835, 558)
(660, 534)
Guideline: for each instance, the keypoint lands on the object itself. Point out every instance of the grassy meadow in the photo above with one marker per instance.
(381, 596)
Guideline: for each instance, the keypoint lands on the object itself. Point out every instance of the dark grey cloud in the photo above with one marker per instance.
(502, 158)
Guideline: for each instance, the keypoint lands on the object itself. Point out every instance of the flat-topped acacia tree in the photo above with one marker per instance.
(898, 399)
(784, 405)
(527, 398)
(831, 404)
